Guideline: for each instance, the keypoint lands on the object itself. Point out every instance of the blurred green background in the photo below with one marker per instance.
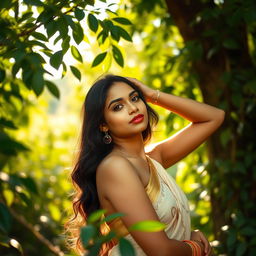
(50, 54)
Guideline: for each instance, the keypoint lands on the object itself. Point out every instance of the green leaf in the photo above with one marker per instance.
(64, 71)
(9, 146)
(45, 17)
(69, 20)
(76, 54)
(87, 233)
(62, 26)
(25, 199)
(2, 75)
(52, 88)
(90, 2)
(95, 249)
(122, 20)
(6, 219)
(102, 36)
(108, 10)
(14, 180)
(124, 34)
(108, 237)
(19, 54)
(7, 123)
(115, 33)
(57, 39)
(9, 196)
(112, 216)
(56, 59)
(39, 36)
(126, 248)
(51, 28)
(96, 215)
(38, 82)
(76, 72)
(118, 56)
(107, 24)
(54, 211)
(30, 184)
(78, 33)
(98, 59)
(148, 226)
(25, 16)
(16, 90)
(34, 2)
(92, 22)
(79, 14)
(65, 44)
(5, 4)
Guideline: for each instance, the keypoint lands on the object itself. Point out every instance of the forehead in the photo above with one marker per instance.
(118, 90)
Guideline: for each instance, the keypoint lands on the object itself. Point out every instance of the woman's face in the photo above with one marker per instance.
(122, 105)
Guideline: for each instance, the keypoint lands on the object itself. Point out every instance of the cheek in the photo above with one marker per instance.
(115, 120)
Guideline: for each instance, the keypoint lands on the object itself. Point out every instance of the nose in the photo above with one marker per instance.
(132, 108)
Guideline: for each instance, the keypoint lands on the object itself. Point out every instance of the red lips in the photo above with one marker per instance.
(137, 119)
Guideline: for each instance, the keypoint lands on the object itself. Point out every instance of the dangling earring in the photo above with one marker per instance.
(107, 139)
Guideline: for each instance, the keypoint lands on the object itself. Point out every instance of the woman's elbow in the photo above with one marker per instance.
(219, 117)
(222, 115)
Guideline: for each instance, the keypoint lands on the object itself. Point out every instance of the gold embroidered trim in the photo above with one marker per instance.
(153, 187)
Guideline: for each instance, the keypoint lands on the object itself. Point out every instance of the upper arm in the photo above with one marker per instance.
(127, 194)
(173, 149)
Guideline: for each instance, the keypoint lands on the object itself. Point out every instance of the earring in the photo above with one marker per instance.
(107, 139)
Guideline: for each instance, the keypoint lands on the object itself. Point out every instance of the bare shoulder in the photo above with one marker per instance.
(113, 168)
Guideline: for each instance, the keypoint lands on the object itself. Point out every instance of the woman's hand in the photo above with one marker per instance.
(198, 236)
(148, 92)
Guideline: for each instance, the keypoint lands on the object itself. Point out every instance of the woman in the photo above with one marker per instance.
(115, 172)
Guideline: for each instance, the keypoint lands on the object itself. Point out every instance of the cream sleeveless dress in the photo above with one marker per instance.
(170, 204)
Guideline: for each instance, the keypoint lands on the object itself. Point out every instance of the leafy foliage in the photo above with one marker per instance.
(30, 33)
(92, 239)
(211, 58)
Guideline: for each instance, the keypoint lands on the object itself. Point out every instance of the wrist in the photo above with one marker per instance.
(153, 96)
(196, 247)
(199, 242)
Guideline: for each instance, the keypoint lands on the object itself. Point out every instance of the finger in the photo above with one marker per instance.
(209, 253)
(205, 243)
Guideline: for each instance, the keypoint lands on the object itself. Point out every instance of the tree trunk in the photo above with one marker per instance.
(215, 92)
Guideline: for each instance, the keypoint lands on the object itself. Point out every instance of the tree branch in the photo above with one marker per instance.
(53, 248)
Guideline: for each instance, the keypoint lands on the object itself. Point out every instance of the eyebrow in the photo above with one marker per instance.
(119, 99)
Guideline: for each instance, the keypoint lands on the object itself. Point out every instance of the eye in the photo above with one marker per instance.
(117, 107)
(135, 98)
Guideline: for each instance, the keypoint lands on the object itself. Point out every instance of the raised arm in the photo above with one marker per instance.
(204, 118)
(124, 189)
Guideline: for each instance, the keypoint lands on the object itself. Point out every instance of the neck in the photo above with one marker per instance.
(132, 147)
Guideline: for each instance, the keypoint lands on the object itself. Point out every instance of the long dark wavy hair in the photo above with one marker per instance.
(92, 150)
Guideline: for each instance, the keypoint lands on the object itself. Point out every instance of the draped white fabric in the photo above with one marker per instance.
(172, 209)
